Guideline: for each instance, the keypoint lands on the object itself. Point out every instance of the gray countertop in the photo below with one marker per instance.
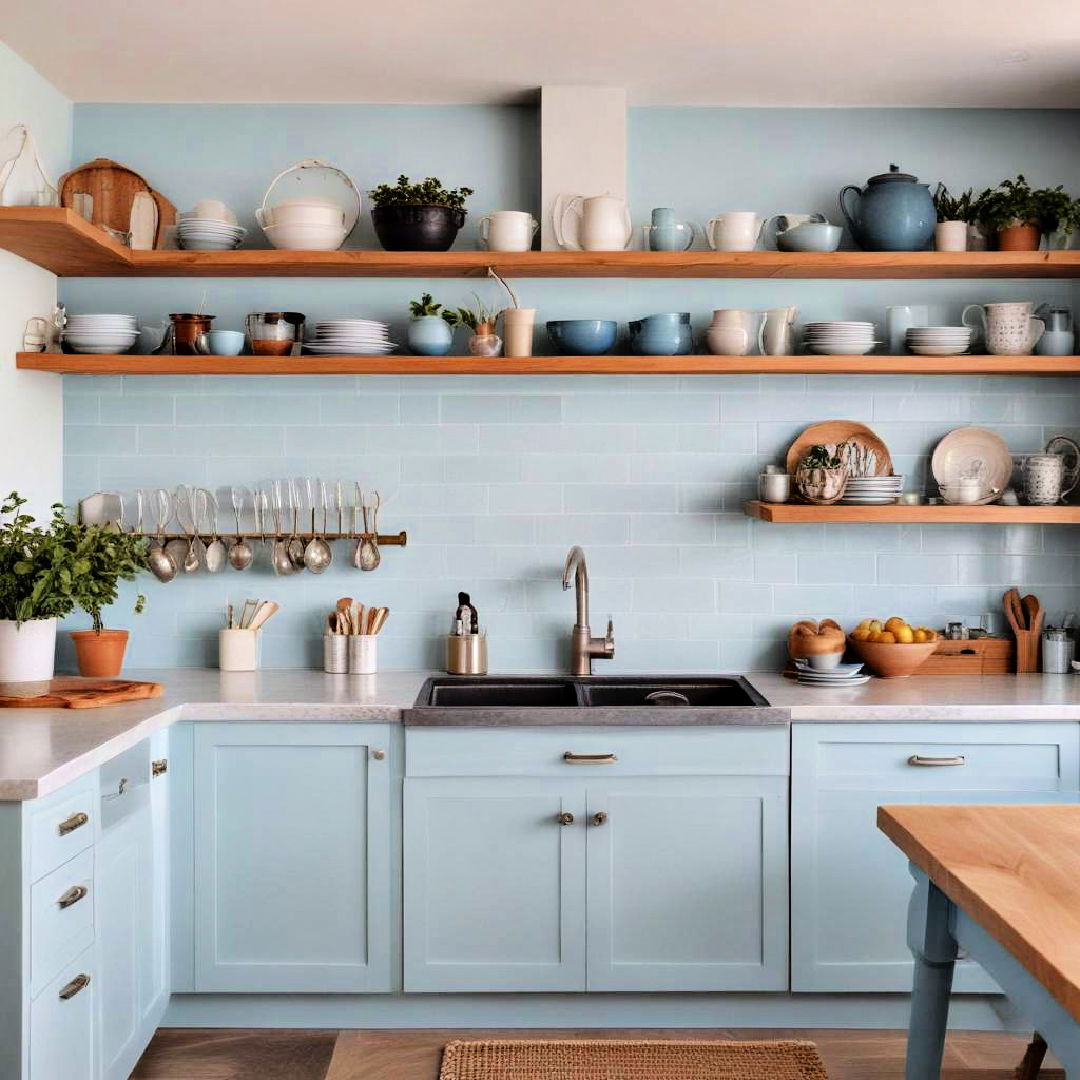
(43, 749)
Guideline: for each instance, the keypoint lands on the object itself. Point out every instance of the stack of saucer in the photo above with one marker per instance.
(100, 334)
(938, 340)
(837, 678)
(872, 490)
(344, 337)
(839, 338)
(200, 233)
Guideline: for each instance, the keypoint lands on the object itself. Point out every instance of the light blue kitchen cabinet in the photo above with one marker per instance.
(687, 884)
(494, 884)
(291, 857)
(849, 885)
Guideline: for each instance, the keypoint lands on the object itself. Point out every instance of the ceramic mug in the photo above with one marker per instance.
(594, 223)
(1009, 329)
(899, 319)
(508, 230)
(1044, 479)
(735, 230)
(776, 334)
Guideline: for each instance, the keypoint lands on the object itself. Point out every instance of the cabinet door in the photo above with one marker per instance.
(494, 884)
(154, 986)
(292, 874)
(850, 885)
(62, 1024)
(688, 883)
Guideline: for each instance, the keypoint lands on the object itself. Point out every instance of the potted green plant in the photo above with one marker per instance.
(821, 476)
(481, 321)
(1020, 215)
(45, 573)
(418, 217)
(431, 327)
(954, 216)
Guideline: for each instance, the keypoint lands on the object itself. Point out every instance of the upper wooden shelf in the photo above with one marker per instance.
(131, 364)
(943, 515)
(61, 241)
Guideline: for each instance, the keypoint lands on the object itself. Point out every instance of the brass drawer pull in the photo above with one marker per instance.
(571, 758)
(599, 818)
(378, 755)
(936, 762)
(159, 766)
(72, 896)
(565, 818)
(70, 824)
(80, 982)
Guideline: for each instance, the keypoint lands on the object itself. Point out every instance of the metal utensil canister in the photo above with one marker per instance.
(336, 654)
(1058, 649)
(466, 654)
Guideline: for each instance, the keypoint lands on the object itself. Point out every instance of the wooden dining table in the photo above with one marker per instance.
(1001, 883)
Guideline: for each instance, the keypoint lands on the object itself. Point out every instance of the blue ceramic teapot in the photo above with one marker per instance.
(894, 212)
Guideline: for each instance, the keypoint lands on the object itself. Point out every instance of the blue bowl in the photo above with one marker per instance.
(583, 337)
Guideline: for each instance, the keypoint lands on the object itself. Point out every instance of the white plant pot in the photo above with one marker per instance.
(951, 236)
(27, 652)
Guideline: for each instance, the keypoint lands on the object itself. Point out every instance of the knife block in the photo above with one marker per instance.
(1027, 651)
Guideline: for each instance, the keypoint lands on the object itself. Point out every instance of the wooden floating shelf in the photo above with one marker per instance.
(923, 515)
(61, 241)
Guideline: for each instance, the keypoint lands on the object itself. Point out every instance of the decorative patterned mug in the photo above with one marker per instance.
(1008, 329)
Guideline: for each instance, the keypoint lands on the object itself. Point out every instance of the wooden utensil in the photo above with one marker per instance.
(834, 432)
(344, 607)
(73, 693)
(1025, 617)
(113, 188)
(266, 610)
(379, 621)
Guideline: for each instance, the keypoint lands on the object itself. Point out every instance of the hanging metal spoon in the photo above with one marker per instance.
(318, 554)
(216, 554)
(162, 564)
(241, 553)
(367, 554)
(295, 545)
(279, 553)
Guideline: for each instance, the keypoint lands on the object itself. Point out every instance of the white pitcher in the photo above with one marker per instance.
(1008, 329)
(730, 332)
(592, 223)
(776, 334)
(736, 230)
(508, 230)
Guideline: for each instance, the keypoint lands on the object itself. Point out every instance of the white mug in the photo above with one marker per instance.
(899, 319)
(1009, 329)
(593, 223)
(776, 334)
(736, 230)
(508, 230)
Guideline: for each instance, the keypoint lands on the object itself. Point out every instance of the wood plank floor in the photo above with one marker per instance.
(274, 1054)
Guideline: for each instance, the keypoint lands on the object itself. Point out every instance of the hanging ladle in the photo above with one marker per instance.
(162, 564)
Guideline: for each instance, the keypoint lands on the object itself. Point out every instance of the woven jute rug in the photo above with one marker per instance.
(613, 1059)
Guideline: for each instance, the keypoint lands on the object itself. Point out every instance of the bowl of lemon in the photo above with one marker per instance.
(892, 649)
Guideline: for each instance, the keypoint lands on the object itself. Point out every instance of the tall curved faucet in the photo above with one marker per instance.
(583, 646)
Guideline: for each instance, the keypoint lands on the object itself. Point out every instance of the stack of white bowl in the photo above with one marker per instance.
(100, 334)
(211, 226)
(343, 337)
(306, 224)
(939, 340)
(872, 490)
(839, 338)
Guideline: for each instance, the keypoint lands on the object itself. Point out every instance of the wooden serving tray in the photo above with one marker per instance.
(75, 693)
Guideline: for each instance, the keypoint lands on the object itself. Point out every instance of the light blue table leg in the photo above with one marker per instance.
(931, 940)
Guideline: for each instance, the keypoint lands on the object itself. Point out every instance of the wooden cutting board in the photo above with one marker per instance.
(74, 693)
(113, 187)
(833, 432)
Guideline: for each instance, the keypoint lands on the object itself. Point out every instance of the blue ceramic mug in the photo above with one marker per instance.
(226, 342)
(666, 233)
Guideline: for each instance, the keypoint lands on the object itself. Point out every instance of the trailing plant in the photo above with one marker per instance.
(429, 192)
(481, 316)
(426, 306)
(1015, 202)
(955, 207)
(45, 573)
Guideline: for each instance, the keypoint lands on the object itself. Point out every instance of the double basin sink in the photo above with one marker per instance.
(590, 699)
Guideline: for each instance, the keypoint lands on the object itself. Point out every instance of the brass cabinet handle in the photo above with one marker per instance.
(70, 824)
(80, 982)
(72, 896)
(159, 767)
(378, 755)
(565, 818)
(936, 762)
(570, 758)
(599, 818)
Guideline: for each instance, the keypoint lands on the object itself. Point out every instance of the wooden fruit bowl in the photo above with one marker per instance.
(889, 660)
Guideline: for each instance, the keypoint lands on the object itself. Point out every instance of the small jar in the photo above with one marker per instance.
(1058, 649)
(774, 487)
(363, 654)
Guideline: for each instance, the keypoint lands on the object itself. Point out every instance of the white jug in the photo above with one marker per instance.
(730, 332)
(1009, 329)
(776, 334)
(736, 230)
(592, 223)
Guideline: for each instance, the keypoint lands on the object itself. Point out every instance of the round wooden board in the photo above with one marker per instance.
(834, 432)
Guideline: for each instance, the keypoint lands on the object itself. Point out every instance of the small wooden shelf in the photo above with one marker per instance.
(61, 241)
(130, 364)
(793, 513)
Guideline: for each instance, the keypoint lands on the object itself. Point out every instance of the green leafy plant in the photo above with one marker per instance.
(429, 192)
(818, 457)
(482, 316)
(951, 207)
(46, 573)
(1015, 202)
(426, 306)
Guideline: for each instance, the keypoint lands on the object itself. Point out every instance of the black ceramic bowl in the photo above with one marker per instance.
(417, 228)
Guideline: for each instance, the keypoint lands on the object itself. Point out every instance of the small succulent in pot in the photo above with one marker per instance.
(431, 328)
(418, 217)
(481, 321)
(821, 476)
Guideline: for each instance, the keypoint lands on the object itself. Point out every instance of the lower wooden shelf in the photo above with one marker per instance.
(794, 513)
(130, 364)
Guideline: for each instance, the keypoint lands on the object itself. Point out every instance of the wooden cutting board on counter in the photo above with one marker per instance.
(75, 693)
(113, 188)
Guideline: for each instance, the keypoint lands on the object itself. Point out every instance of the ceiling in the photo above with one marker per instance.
(962, 53)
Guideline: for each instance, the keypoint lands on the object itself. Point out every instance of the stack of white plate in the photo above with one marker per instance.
(837, 678)
(872, 490)
(938, 340)
(362, 337)
(100, 334)
(839, 338)
(207, 234)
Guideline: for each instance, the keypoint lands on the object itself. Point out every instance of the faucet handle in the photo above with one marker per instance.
(609, 637)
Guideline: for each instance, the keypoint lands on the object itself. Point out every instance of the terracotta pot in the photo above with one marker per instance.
(1024, 237)
(100, 655)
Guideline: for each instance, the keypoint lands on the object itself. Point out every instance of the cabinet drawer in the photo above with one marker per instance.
(948, 757)
(61, 918)
(62, 1024)
(62, 825)
(597, 751)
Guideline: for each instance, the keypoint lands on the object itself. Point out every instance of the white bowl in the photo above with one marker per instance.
(824, 661)
(305, 237)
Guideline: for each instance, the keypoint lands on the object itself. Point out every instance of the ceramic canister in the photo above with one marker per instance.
(1043, 479)
(1009, 329)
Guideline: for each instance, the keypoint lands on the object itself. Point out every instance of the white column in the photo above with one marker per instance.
(582, 146)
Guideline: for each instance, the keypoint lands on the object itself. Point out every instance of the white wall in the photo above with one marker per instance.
(31, 409)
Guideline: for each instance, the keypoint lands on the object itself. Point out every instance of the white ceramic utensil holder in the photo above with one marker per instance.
(238, 650)
(27, 650)
(363, 654)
